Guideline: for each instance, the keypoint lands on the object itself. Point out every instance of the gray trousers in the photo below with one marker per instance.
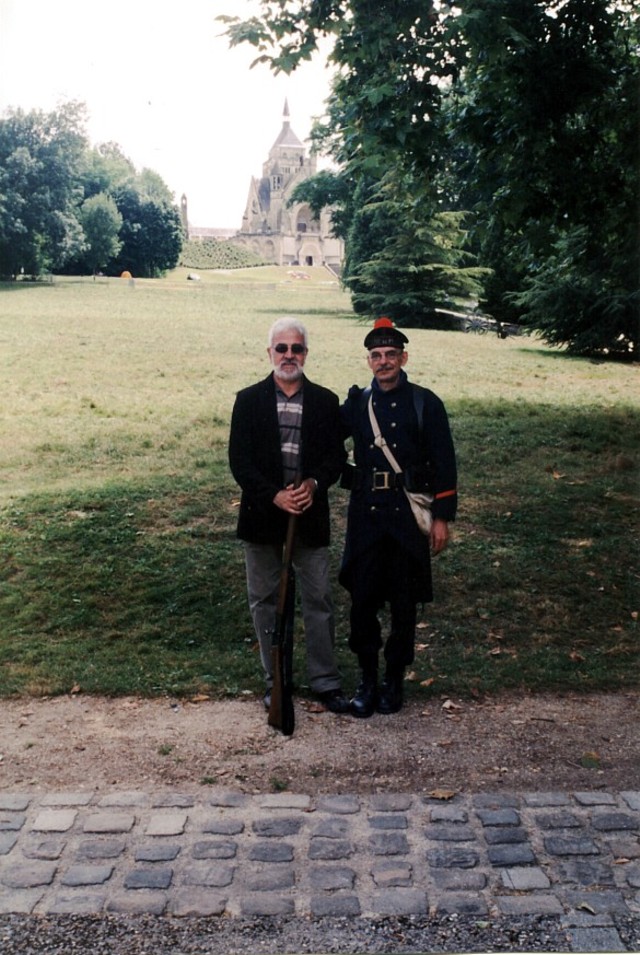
(311, 565)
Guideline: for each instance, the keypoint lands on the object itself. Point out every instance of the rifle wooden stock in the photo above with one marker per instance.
(281, 711)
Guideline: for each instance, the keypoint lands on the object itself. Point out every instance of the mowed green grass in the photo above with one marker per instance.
(120, 568)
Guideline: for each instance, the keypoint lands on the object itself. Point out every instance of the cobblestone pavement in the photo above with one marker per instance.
(574, 856)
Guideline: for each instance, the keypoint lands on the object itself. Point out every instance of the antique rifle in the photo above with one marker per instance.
(281, 711)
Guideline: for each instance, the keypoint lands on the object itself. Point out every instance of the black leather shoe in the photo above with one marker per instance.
(335, 701)
(364, 702)
(390, 698)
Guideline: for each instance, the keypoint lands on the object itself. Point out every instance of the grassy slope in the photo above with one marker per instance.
(120, 569)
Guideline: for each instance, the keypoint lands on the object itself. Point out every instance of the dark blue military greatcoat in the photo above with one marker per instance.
(376, 511)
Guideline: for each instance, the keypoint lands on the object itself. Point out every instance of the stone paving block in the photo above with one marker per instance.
(540, 800)
(566, 846)
(452, 858)
(137, 903)
(525, 879)
(391, 821)
(76, 903)
(77, 875)
(332, 828)
(12, 821)
(223, 827)
(20, 902)
(66, 799)
(533, 904)
(123, 800)
(173, 801)
(389, 844)
(229, 800)
(167, 824)
(459, 880)
(612, 821)
(213, 876)
(101, 849)
(596, 903)
(14, 802)
(55, 820)
(156, 878)
(196, 904)
(28, 875)
(585, 872)
(398, 874)
(504, 835)
(343, 805)
(107, 822)
(285, 801)
(265, 903)
(271, 852)
(336, 906)
(156, 853)
(631, 797)
(596, 940)
(454, 814)
(496, 801)
(320, 848)
(391, 802)
(625, 848)
(331, 878)
(594, 799)
(498, 817)
(269, 880)
(397, 902)
(47, 849)
(633, 876)
(558, 820)
(277, 828)
(511, 855)
(449, 833)
(461, 903)
(7, 842)
(214, 850)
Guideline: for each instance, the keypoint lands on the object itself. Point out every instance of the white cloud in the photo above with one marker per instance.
(159, 78)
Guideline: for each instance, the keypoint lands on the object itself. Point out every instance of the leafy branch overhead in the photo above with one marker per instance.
(521, 115)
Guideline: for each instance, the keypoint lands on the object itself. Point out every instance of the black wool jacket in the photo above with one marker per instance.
(256, 461)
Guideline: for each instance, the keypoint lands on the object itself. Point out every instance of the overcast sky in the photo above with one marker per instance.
(159, 79)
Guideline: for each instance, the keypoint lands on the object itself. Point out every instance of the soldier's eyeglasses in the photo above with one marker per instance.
(385, 356)
(296, 349)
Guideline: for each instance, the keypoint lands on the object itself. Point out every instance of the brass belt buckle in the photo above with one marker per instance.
(381, 481)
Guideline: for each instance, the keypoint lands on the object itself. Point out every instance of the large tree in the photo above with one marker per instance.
(40, 161)
(151, 233)
(101, 223)
(546, 112)
(522, 110)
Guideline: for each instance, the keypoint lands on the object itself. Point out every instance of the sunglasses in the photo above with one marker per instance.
(296, 349)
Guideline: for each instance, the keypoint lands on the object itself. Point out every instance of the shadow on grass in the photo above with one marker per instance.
(140, 588)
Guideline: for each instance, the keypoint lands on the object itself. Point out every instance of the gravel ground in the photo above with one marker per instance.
(81, 935)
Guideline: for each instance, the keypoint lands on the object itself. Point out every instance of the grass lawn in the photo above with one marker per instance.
(120, 568)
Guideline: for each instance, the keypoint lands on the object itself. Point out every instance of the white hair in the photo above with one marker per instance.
(287, 324)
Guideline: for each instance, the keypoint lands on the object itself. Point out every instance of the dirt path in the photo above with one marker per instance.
(513, 743)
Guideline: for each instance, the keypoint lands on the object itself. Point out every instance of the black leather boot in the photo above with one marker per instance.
(390, 697)
(363, 703)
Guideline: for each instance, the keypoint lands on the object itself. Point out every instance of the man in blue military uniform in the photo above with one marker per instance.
(387, 558)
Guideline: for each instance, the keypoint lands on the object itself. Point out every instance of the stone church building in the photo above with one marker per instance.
(282, 234)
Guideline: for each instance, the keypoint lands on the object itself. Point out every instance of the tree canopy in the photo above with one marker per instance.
(519, 113)
(66, 206)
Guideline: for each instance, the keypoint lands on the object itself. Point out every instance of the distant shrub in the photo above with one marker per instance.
(212, 254)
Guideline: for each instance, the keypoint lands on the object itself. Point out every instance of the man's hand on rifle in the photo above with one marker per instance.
(295, 500)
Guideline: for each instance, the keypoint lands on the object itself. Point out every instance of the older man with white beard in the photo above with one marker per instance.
(281, 427)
